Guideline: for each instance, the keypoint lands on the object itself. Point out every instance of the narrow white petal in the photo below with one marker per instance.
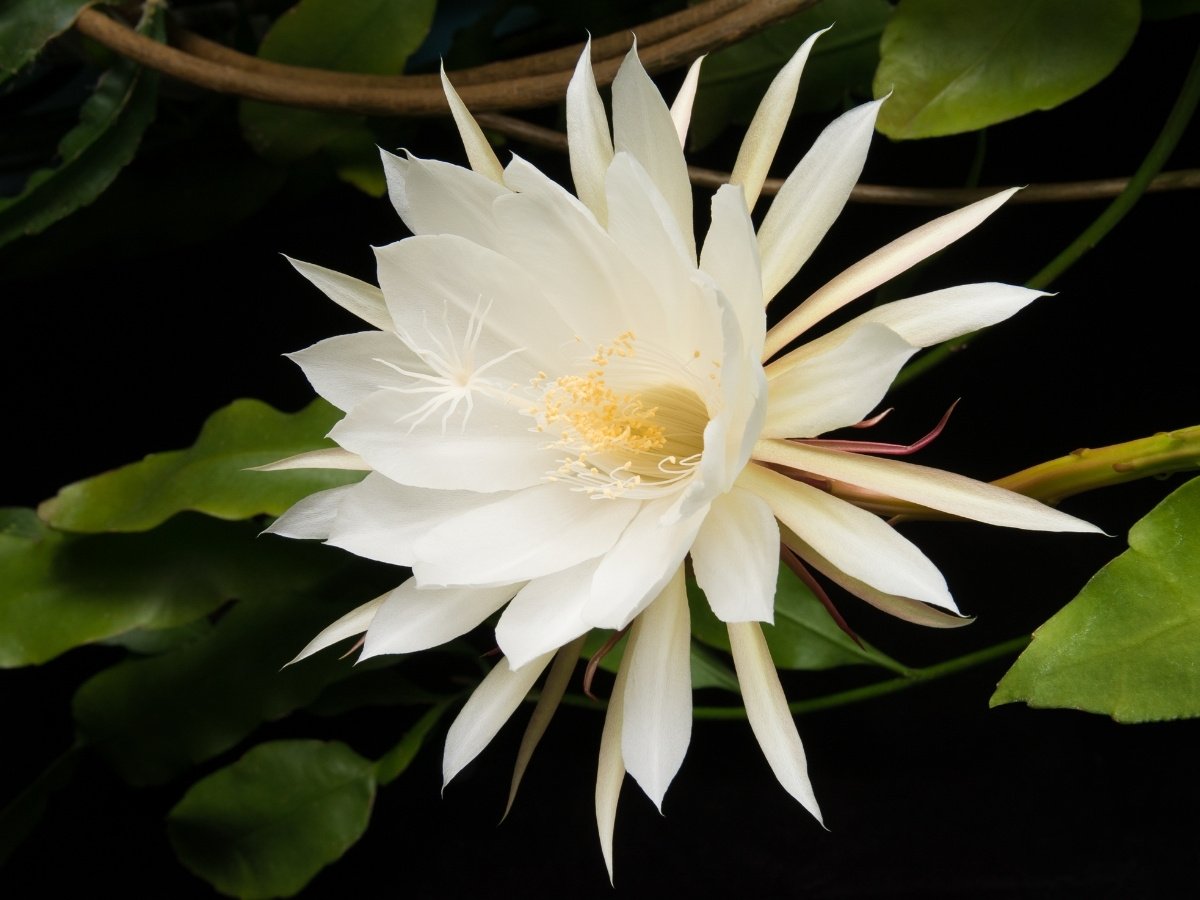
(588, 138)
(767, 710)
(395, 172)
(836, 386)
(730, 256)
(329, 458)
(347, 368)
(681, 108)
(354, 622)
(413, 618)
(934, 488)
(885, 263)
(736, 557)
(547, 613)
(766, 128)
(313, 517)
(435, 197)
(813, 196)
(479, 152)
(356, 297)
(565, 662)
(856, 541)
(522, 536)
(484, 714)
(642, 126)
(610, 771)
(657, 721)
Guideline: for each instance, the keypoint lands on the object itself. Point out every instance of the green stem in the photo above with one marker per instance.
(1156, 158)
(880, 688)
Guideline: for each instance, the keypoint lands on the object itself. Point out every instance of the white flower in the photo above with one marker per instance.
(560, 400)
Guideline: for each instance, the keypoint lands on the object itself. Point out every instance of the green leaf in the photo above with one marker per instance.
(370, 36)
(1129, 644)
(154, 718)
(264, 826)
(1169, 9)
(396, 761)
(28, 25)
(90, 155)
(733, 80)
(956, 66)
(210, 477)
(804, 635)
(62, 591)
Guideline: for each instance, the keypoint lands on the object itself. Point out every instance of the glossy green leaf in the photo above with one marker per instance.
(733, 80)
(370, 36)
(804, 635)
(90, 155)
(28, 25)
(154, 718)
(211, 476)
(265, 825)
(1129, 644)
(61, 591)
(955, 66)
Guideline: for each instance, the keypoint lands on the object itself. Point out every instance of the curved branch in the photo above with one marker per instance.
(244, 76)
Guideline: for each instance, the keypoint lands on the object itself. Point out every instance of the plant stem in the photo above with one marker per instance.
(879, 689)
(1156, 158)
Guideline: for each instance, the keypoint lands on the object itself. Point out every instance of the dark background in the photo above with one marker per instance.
(122, 344)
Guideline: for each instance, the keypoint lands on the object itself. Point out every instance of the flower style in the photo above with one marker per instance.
(561, 400)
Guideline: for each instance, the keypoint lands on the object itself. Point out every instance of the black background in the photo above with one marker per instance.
(120, 347)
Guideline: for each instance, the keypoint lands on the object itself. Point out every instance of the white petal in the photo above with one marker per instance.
(766, 128)
(346, 369)
(836, 386)
(681, 108)
(588, 137)
(313, 517)
(736, 558)
(657, 721)
(522, 536)
(639, 565)
(435, 197)
(894, 605)
(354, 622)
(942, 315)
(856, 541)
(642, 126)
(610, 771)
(329, 458)
(934, 488)
(730, 256)
(547, 613)
(767, 710)
(356, 297)
(485, 445)
(479, 151)
(413, 618)
(484, 714)
(813, 196)
(883, 264)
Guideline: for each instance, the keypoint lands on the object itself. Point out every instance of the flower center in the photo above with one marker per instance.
(632, 439)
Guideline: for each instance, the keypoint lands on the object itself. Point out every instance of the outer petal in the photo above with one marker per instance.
(836, 387)
(479, 151)
(813, 196)
(657, 720)
(681, 108)
(413, 618)
(767, 710)
(766, 128)
(588, 138)
(354, 622)
(730, 256)
(356, 297)
(489, 707)
(736, 557)
(435, 197)
(610, 771)
(330, 458)
(883, 264)
(526, 535)
(857, 542)
(934, 488)
(347, 368)
(547, 613)
(313, 517)
(642, 125)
